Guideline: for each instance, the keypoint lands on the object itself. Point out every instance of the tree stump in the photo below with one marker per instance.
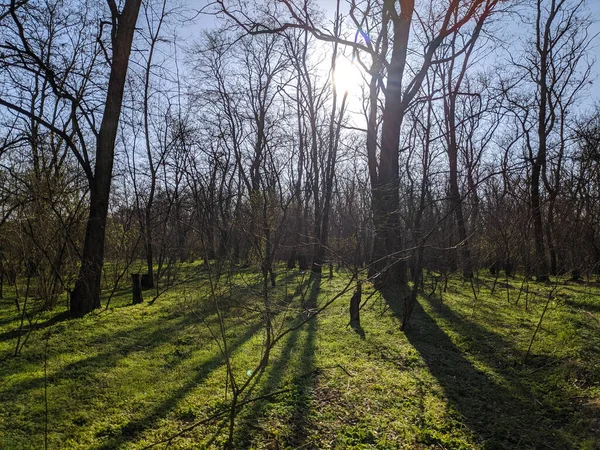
(136, 282)
(291, 262)
(508, 268)
(147, 281)
(302, 262)
(355, 306)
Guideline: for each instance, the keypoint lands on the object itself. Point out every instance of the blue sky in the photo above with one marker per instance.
(512, 29)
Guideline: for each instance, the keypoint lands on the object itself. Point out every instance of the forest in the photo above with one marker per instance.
(299, 224)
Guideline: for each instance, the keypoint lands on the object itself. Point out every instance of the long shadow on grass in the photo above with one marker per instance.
(500, 414)
(253, 281)
(7, 306)
(302, 379)
(13, 334)
(89, 372)
(305, 377)
(135, 427)
(580, 304)
(147, 335)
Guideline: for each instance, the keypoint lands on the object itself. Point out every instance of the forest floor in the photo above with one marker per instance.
(131, 376)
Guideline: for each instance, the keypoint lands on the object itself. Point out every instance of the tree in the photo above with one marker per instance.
(454, 74)
(552, 72)
(86, 294)
(25, 53)
(393, 21)
(146, 220)
(584, 194)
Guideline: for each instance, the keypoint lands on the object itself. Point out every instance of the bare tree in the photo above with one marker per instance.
(454, 72)
(404, 77)
(556, 69)
(25, 54)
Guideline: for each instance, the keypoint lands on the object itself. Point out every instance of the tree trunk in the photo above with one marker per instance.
(148, 279)
(319, 257)
(136, 284)
(539, 160)
(386, 198)
(86, 294)
(302, 258)
(461, 228)
(551, 236)
(291, 262)
(541, 267)
(455, 197)
(316, 263)
(355, 306)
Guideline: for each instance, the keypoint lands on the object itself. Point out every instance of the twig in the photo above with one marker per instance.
(521, 290)
(23, 318)
(46, 393)
(344, 370)
(497, 274)
(227, 411)
(218, 415)
(550, 297)
(367, 299)
(474, 298)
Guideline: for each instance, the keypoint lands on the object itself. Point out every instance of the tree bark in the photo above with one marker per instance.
(355, 305)
(386, 196)
(136, 284)
(86, 294)
(541, 267)
(550, 233)
(455, 197)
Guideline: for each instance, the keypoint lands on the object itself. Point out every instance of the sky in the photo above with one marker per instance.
(509, 26)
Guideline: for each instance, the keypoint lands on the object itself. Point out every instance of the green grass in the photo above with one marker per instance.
(133, 375)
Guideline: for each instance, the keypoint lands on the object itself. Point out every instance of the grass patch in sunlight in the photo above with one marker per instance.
(131, 375)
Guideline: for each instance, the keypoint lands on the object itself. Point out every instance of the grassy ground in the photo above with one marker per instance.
(130, 376)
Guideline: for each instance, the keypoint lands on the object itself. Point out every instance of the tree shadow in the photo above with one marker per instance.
(358, 329)
(146, 336)
(499, 410)
(585, 305)
(299, 378)
(8, 309)
(35, 326)
(86, 376)
(253, 280)
(582, 287)
(305, 377)
(310, 298)
(132, 430)
(249, 420)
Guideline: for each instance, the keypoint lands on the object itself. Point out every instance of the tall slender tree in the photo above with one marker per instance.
(24, 50)
(549, 77)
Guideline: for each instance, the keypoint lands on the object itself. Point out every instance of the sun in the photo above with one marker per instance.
(347, 77)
